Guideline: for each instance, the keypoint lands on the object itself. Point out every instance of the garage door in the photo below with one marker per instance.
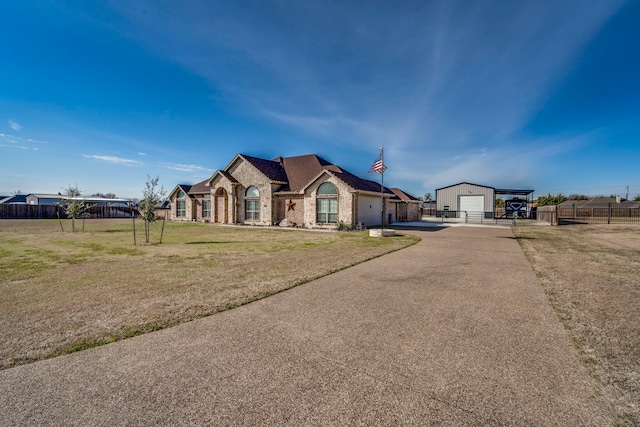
(474, 205)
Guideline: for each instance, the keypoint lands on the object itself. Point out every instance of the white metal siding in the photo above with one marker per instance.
(449, 196)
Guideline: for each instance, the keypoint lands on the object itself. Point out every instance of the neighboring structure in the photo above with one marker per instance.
(18, 199)
(474, 201)
(303, 191)
(54, 199)
(598, 202)
(403, 207)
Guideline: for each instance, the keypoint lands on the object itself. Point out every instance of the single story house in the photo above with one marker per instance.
(302, 191)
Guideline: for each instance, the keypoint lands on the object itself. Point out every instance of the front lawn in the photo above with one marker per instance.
(62, 292)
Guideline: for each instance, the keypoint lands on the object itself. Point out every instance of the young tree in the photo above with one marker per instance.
(74, 207)
(499, 202)
(427, 197)
(550, 199)
(151, 196)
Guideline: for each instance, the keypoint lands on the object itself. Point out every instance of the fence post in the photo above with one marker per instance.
(609, 214)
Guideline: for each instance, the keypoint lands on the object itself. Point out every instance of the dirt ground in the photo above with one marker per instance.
(591, 275)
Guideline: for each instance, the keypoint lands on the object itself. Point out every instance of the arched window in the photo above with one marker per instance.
(252, 204)
(327, 203)
(181, 205)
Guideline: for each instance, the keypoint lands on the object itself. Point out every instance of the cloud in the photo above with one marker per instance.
(13, 141)
(113, 159)
(15, 125)
(188, 168)
(430, 80)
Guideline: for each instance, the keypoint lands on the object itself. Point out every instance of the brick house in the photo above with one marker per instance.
(303, 191)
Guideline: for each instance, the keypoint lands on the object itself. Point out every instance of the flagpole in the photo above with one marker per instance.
(382, 189)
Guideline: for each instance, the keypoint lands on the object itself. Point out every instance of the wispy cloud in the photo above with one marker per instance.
(14, 141)
(188, 168)
(441, 76)
(113, 159)
(15, 125)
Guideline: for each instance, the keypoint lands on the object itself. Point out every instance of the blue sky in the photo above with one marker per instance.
(517, 94)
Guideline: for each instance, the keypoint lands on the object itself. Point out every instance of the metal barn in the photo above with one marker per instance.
(466, 200)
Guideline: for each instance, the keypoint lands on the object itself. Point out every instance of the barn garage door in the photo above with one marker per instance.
(474, 205)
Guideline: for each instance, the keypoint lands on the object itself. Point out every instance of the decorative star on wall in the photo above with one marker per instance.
(291, 205)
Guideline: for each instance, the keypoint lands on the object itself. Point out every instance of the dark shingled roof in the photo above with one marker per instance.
(272, 170)
(300, 170)
(228, 176)
(360, 184)
(402, 195)
(297, 172)
(200, 188)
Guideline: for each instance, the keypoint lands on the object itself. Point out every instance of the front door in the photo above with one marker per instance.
(221, 206)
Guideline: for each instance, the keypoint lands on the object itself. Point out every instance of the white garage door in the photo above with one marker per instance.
(474, 205)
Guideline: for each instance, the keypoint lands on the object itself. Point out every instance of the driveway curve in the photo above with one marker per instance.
(452, 331)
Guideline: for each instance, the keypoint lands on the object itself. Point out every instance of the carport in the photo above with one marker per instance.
(520, 203)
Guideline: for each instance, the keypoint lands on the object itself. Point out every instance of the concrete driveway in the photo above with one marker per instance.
(452, 331)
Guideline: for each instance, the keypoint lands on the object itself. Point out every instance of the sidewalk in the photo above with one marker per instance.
(452, 331)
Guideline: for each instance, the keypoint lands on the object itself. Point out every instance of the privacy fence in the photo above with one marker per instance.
(51, 212)
(609, 213)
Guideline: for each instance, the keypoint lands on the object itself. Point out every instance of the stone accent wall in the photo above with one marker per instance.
(345, 198)
(248, 176)
(295, 215)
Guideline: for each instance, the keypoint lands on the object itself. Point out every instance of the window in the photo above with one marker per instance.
(252, 204)
(181, 205)
(206, 209)
(327, 204)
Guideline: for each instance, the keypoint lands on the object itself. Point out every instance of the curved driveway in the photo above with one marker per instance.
(452, 331)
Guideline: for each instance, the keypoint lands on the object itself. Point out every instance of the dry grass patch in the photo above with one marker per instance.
(63, 292)
(591, 274)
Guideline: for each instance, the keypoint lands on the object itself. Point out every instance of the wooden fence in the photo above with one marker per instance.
(11, 211)
(609, 213)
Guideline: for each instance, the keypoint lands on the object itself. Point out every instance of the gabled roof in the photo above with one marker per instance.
(183, 187)
(200, 188)
(361, 184)
(271, 169)
(462, 183)
(294, 173)
(300, 170)
(225, 174)
(403, 196)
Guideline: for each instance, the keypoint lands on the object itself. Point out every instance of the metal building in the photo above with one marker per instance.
(477, 202)
(466, 200)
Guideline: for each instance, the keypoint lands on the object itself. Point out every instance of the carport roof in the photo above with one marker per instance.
(513, 191)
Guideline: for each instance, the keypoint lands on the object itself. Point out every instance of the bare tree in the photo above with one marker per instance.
(151, 196)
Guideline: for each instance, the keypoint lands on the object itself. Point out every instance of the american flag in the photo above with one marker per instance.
(378, 166)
